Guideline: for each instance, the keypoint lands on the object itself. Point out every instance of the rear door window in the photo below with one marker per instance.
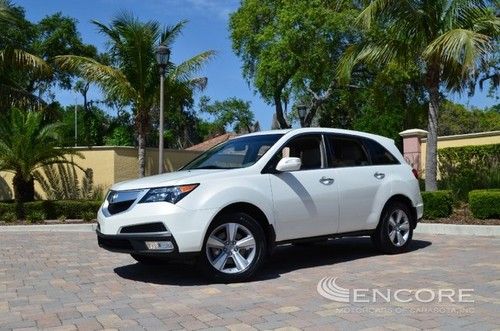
(346, 151)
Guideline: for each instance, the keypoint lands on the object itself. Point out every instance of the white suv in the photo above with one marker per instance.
(231, 205)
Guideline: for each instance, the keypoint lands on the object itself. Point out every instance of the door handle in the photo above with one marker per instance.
(326, 180)
(379, 175)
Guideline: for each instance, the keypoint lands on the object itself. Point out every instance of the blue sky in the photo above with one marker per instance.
(207, 29)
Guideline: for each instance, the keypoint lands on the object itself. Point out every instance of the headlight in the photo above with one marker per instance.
(172, 194)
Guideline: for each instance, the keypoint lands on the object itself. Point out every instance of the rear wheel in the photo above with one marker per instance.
(394, 232)
(234, 248)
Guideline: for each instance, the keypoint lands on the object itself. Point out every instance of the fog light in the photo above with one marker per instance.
(157, 245)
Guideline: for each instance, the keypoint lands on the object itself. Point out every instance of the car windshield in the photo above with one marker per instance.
(235, 153)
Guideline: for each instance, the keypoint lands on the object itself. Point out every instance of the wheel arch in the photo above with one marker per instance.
(256, 213)
(405, 200)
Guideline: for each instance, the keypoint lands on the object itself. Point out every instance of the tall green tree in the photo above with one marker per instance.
(27, 50)
(231, 112)
(290, 50)
(448, 39)
(132, 76)
(26, 144)
(16, 62)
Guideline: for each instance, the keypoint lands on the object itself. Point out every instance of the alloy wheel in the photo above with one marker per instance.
(231, 248)
(398, 227)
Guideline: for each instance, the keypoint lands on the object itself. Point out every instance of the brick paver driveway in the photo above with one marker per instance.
(64, 281)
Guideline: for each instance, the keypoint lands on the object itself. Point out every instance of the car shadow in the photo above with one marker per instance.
(285, 259)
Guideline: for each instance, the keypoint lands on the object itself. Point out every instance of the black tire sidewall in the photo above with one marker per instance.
(381, 237)
(258, 233)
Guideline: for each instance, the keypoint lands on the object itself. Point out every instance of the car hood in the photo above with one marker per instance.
(166, 179)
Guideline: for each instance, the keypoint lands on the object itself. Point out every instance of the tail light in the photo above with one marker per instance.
(415, 172)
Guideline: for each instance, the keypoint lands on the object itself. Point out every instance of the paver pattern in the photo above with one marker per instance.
(64, 281)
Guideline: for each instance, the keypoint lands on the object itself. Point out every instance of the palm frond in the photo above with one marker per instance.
(186, 69)
(459, 46)
(171, 32)
(108, 78)
(6, 13)
(19, 59)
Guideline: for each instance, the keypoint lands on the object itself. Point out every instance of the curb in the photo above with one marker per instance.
(459, 229)
(49, 228)
(424, 228)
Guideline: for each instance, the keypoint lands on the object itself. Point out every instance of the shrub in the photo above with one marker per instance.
(485, 203)
(437, 204)
(8, 217)
(89, 216)
(53, 209)
(35, 217)
(463, 169)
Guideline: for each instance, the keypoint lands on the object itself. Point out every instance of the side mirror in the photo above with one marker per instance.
(289, 164)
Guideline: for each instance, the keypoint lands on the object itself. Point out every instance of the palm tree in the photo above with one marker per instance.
(27, 145)
(450, 40)
(133, 74)
(12, 61)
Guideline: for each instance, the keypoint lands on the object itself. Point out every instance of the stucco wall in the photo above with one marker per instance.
(111, 165)
(472, 139)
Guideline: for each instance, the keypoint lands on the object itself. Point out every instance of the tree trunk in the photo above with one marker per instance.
(141, 125)
(141, 154)
(24, 190)
(432, 128)
(279, 112)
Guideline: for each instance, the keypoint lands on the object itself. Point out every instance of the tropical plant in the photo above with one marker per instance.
(61, 182)
(132, 76)
(450, 40)
(26, 144)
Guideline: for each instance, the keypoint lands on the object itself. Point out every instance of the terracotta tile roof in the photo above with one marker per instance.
(207, 144)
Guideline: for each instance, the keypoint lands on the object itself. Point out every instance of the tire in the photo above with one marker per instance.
(234, 248)
(146, 259)
(395, 231)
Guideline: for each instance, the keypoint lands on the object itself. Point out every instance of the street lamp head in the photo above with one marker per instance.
(301, 109)
(162, 55)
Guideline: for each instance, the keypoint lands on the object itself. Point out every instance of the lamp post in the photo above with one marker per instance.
(162, 57)
(302, 109)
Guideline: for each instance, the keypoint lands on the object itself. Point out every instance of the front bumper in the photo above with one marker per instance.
(137, 243)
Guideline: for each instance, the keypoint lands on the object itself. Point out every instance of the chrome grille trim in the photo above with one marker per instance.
(114, 197)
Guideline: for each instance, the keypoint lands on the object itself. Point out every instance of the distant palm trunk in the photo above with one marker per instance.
(142, 124)
(432, 128)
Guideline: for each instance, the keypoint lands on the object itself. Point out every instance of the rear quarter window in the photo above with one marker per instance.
(379, 154)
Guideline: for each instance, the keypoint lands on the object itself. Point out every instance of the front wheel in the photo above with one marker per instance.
(394, 233)
(234, 248)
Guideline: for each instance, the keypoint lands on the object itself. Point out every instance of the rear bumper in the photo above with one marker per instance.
(136, 243)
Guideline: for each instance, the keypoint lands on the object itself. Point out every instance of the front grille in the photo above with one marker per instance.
(118, 207)
(119, 201)
(115, 243)
(144, 228)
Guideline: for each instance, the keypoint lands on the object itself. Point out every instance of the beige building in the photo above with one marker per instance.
(415, 144)
(111, 165)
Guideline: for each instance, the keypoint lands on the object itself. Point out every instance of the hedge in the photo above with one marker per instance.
(485, 203)
(437, 204)
(467, 168)
(70, 209)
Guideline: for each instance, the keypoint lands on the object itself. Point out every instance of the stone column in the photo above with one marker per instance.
(412, 146)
